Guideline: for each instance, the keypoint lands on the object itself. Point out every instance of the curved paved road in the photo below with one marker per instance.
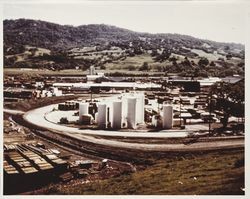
(36, 117)
(14, 112)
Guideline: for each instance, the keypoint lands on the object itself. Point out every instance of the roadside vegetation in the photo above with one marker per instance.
(213, 173)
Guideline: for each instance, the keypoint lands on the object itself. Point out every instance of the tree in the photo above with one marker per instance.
(203, 62)
(131, 68)
(186, 62)
(241, 64)
(144, 66)
(238, 97)
(159, 68)
(228, 97)
(174, 63)
(64, 120)
(229, 72)
(103, 67)
(226, 48)
(138, 50)
(229, 56)
(222, 90)
(154, 53)
(163, 57)
(212, 63)
(9, 61)
(172, 59)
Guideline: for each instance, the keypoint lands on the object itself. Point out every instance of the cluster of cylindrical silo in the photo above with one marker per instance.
(126, 111)
(102, 116)
(167, 117)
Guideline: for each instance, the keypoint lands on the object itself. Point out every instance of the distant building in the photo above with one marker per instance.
(92, 70)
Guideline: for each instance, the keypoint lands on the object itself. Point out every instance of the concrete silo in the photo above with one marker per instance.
(140, 108)
(96, 117)
(102, 116)
(124, 109)
(92, 70)
(167, 118)
(83, 110)
(131, 112)
(117, 115)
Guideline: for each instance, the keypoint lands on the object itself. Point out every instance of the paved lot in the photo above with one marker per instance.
(37, 117)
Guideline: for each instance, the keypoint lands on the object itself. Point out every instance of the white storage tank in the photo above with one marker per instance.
(140, 108)
(92, 70)
(117, 115)
(102, 116)
(96, 117)
(124, 109)
(131, 112)
(167, 118)
(83, 110)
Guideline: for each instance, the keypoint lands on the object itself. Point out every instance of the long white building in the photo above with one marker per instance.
(88, 85)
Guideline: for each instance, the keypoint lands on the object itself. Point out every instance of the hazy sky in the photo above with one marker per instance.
(224, 22)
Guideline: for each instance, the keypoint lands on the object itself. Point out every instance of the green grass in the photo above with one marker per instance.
(17, 71)
(213, 173)
(136, 62)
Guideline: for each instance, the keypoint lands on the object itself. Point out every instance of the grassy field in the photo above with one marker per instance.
(207, 174)
(35, 72)
(136, 62)
(17, 71)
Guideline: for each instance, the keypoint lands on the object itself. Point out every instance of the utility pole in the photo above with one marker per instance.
(211, 103)
(209, 120)
(180, 110)
(91, 93)
(158, 102)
